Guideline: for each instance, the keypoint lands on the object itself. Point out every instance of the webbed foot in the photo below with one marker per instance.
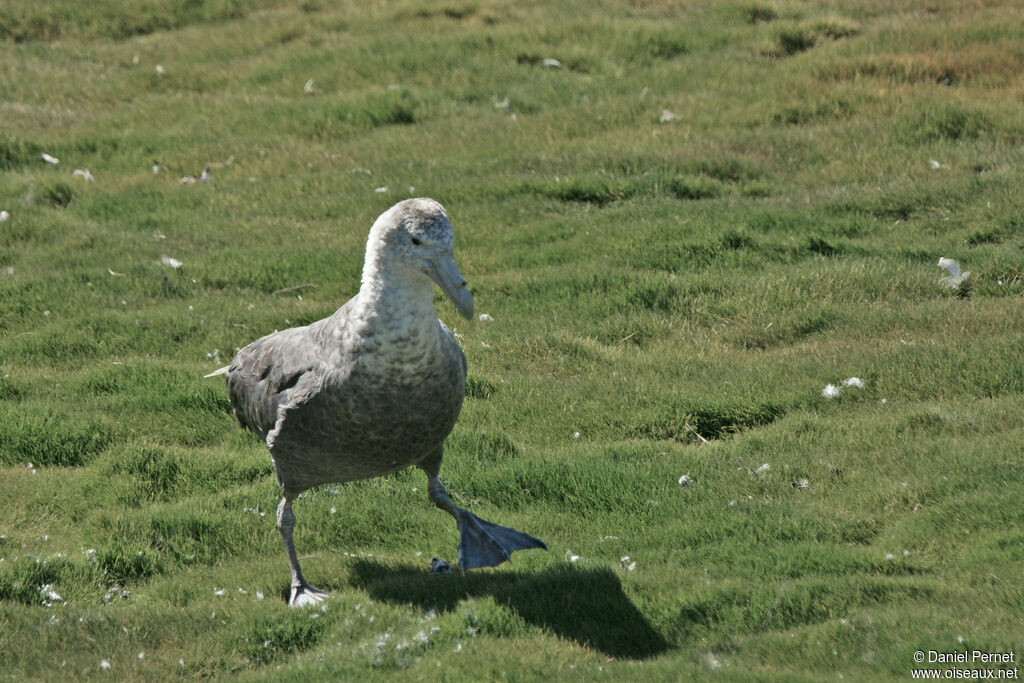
(305, 595)
(483, 544)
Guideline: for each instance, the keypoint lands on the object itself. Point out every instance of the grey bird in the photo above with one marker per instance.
(372, 389)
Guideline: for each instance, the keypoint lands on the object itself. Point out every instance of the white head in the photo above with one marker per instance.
(412, 241)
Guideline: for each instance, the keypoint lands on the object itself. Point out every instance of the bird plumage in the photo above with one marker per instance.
(372, 389)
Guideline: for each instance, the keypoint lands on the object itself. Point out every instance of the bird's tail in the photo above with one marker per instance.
(215, 373)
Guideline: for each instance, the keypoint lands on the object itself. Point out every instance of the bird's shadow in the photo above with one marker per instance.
(581, 604)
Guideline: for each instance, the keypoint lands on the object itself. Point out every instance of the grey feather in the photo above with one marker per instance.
(328, 414)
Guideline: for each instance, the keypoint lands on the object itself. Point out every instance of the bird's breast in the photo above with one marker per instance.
(379, 415)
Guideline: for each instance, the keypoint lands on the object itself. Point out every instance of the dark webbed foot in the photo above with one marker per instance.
(484, 544)
(481, 543)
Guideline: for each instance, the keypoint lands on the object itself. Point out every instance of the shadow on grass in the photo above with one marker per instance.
(585, 605)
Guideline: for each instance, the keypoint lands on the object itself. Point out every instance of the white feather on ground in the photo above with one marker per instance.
(203, 177)
(955, 276)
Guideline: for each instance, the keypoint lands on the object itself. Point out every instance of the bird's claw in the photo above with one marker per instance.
(305, 595)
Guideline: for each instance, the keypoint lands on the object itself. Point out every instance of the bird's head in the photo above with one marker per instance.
(415, 237)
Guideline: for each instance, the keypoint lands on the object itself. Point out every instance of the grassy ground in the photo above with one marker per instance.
(707, 213)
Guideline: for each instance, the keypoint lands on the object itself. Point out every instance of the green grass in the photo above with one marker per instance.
(668, 298)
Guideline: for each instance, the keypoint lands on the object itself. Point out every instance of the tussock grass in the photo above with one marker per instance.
(668, 296)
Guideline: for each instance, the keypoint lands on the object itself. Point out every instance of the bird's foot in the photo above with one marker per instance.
(305, 595)
(483, 544)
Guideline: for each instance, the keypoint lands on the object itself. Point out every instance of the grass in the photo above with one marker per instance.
(667, 298)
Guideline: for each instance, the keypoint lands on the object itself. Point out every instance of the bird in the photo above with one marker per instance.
(203, 177)
(372, 389)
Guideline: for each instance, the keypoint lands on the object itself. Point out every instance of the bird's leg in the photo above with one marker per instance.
(302, 594)
(481, 543)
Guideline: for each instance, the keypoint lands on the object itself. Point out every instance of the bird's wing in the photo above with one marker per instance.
(266, 374)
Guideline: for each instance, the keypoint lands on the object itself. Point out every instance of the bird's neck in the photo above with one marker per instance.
(390, 292)
(383, 304)
(396, 310)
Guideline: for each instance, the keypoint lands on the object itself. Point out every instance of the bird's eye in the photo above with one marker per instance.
(416, 241)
